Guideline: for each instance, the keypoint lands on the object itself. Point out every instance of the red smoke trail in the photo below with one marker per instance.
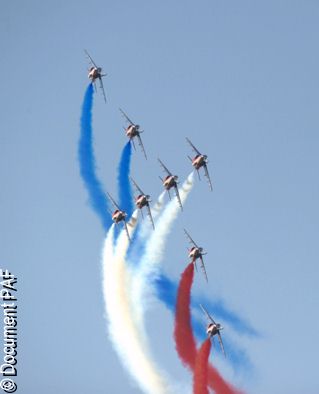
(184, 340)
(217, 383)
(201, 369)
(183, 333)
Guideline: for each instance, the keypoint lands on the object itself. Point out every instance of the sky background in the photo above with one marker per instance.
(240, 79)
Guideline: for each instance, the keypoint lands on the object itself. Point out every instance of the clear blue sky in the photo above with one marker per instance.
(240, 79)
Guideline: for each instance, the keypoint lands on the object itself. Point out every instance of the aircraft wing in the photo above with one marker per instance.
(178, 197)
(137, 187)
(149, 213)
(190, 239)
(221, 343)
(141, 144)
(193, 147)
(164, 168)
(90, 59)
(207, 314)
(102, 88)
(113, 201)
(203, 268)
(208, 177)
(126, 117)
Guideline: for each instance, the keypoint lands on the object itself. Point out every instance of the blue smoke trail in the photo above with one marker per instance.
(123, 180)
(235, 355)
(86, 158)
(167, 291)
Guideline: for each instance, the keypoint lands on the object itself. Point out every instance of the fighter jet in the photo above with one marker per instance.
(119, 216)
(133, 130)
(200, 161)
(95, 73)
(170, 181)
(213, 328)
(196, 252)
(143, 200)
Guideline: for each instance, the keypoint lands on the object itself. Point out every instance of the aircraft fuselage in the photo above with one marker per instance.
(212, 329)
(131, 131)
(141, 201)
(94, 73)
(118, 216)
(169, 182)
(194, 253)
(198, 161)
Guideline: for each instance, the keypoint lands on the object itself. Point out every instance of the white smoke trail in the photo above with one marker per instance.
(153, 254)
(157, 207)
(146, 226)
(128, 340)
(136, 251)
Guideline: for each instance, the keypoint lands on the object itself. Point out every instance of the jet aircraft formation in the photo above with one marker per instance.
(170, 181)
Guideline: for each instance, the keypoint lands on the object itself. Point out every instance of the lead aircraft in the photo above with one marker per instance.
(95, 73)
